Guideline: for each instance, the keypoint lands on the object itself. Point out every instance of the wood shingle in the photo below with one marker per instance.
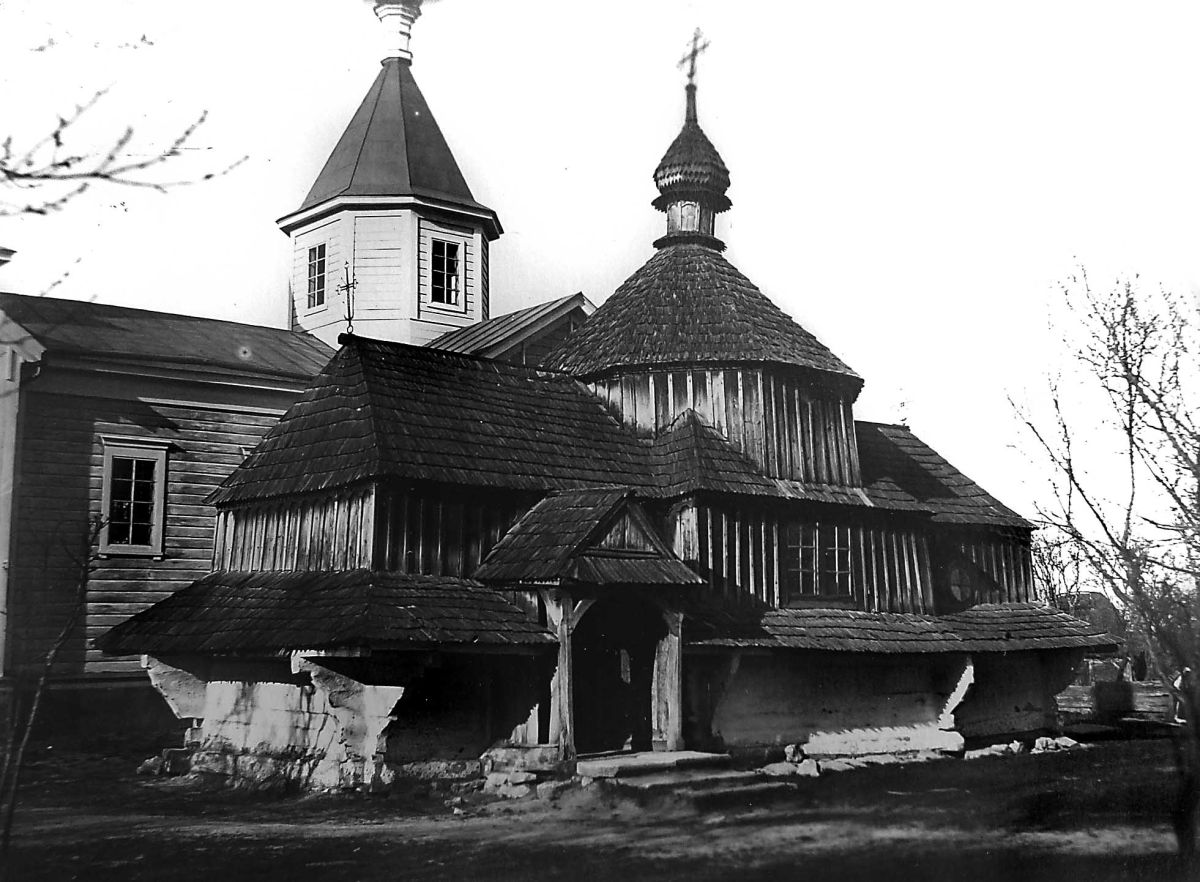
(279, 611)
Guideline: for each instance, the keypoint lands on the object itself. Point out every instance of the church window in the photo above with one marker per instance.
(133, 496)
(316, 276)
(817, 562)
(446, 272)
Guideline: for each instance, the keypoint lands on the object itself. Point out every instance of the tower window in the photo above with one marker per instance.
(316, 276)
(446, 269)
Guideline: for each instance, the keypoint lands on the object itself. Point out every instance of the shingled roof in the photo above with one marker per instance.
(1000, 627)
(121, 333)
(689, 305)
(556, 542)
(902, 471)
(689, 456)
(276, 612)
(393, 147)
(383, 409)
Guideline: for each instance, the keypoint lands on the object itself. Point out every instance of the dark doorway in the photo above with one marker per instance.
(613, 651)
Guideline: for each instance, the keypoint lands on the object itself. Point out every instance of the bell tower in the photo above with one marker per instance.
(389, 238)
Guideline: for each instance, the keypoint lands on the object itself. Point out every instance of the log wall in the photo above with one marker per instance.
(789, 429)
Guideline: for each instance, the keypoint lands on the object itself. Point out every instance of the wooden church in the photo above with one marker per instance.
(669, 533)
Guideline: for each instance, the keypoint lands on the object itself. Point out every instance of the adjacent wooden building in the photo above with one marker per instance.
(116, 425)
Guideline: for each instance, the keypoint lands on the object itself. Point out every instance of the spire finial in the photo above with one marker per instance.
(397, 16)
(699, 44)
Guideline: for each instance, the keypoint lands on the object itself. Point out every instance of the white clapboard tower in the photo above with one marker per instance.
(389, 238)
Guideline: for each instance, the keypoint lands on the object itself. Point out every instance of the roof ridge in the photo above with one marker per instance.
(381, 81)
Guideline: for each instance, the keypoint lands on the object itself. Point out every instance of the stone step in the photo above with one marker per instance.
(685, 781)
(628, 765)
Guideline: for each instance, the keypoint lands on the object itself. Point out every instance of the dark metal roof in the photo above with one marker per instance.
(1003, 627)
(689, 305)
(481, 337)
(554, 541)
(277, 612)
(119, 332)
(383, 409)
(902, 471)
(393, 147)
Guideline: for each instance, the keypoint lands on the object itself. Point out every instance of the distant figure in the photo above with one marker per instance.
(1182, 682)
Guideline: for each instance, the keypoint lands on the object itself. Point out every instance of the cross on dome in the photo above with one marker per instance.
(690, 58)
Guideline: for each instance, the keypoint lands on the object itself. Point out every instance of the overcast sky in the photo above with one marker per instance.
(910, 181)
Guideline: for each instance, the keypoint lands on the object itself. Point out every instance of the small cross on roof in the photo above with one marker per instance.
(699, 44)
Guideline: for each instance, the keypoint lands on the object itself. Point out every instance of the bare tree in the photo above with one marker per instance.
(51, 170)
(1124, 440)
(26, 703)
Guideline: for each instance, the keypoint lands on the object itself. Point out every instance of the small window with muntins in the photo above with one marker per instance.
(134, 496)
(816, 562)
(446, 273)
(316, 276)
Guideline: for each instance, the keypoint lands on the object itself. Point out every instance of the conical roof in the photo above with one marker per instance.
(688, 305)
(692, 167)
(393, 147)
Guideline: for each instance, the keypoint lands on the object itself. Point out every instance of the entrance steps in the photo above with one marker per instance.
(703, 780)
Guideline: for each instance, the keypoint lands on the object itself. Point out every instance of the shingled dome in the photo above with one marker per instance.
(692, 167)
(689, 305)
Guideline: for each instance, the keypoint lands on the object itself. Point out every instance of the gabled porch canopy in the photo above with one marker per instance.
(596, 537)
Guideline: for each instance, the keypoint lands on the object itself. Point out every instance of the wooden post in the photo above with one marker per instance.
(671, 687)
(559, 607)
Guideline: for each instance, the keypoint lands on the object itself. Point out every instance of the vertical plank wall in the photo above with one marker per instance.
(407, 531)
(774, 418)
(744, 553)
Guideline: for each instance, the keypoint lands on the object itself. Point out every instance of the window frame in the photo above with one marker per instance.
(316, 276)
(459, 303)
(137, 449)
(819, 563)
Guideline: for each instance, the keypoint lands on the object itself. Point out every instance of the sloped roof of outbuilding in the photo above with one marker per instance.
(383, 409)
(999, 627)
(902, 471)
(122, 333)
(689, 305)
(244, 612)
(393, 146)
(501, 332)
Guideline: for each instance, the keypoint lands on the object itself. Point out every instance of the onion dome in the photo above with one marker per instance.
(692, 180)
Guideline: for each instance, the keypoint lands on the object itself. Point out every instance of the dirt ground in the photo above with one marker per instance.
(1096, 813)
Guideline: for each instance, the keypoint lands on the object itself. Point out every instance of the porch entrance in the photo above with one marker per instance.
(614, 648)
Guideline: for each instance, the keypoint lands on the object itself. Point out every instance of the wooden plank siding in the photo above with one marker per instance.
(776, 419)
(439, 532)
(744, 553)
(60, 490)
(329, 532)
(1006, 557)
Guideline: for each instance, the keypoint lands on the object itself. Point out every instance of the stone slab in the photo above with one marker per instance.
(626, 765)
